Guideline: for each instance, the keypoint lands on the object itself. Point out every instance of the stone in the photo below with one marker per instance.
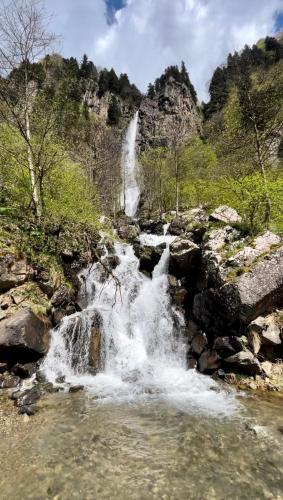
(248, 254)
(264, 242)
(40, 376)
(95, 343)
(266, 329)
(199, 342)
(24, 337)
(267, 368)
(209, 361)
(244, 361)
(241, 300)
(184, 257)
(149, 258)
(29, 397)
(76, 388)
(24, 370)
(13, 272)
(225, 214)
(177, 291)
(192, 363)
(27, 410)
(218, 238)
(10, 381)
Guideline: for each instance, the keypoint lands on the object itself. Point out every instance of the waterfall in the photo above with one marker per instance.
(143, 349)
(131, 192)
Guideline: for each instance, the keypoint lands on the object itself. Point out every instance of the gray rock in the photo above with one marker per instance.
(217, 238)
(239, 302)
(24, 337)
(10, 381)
(76, 388)
(244, 361)
(192, 363)
(209, 361)
(3, 367)
(128, 232)
(227, 346)
(267, 330)
(184, 255)
(13, 272)
(149, 258)
(199, 342)
(27, 410)
(29, 397)
(225, 214)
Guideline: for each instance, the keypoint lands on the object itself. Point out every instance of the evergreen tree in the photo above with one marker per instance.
(114, 112)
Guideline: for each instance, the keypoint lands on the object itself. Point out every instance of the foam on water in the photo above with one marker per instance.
(143, 349)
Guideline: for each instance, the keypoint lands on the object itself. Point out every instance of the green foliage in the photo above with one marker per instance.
(180, 76)
(114, 112)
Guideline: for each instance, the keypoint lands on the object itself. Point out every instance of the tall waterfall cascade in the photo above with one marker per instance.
(143, 351)
(131, 192)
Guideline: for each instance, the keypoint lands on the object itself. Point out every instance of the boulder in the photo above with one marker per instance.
(209, 361)
(76, 388)
(267, 330)
(218, 238)
(248, 254)
(240, 301)
(9, 381)
(244, 361)
(184, 257)
(149, 257)
(199, 342)
(24, 337)
(13, 272)
(151, 226)
(177, 291)
(225, 214)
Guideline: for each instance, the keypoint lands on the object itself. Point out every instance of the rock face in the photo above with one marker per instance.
(225, 214)
(23, 337)
(149, 257)
(95, 344)
(13, 272)
(239, 302)
(171, 110)
(184, 255)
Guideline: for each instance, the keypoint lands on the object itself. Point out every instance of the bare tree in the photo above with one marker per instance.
(23, 40)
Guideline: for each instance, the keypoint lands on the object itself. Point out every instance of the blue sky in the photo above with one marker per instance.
(142, 37)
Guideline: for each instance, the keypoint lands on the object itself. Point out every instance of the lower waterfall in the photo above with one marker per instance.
(143, 351)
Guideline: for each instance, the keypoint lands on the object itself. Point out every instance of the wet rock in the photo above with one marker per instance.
(10, 381)
(192, 363)
(24, 337)
(184, 256)
(40, 376)
(60, 380)
(244, 361)
(151, 226)
(112, 261)
(216, 239)
(225, 214)
(24, 370)
(177, 291)
(95, 343)
(49, 388)
(199, 342)
(27, 410)
(76, 388)
(149, 257)
(209, 361)
(29, 397)
(13, 272)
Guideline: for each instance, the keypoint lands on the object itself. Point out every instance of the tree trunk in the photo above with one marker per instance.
(177, 185)
(34, 189)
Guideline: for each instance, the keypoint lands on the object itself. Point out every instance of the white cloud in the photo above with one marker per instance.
(150, 34)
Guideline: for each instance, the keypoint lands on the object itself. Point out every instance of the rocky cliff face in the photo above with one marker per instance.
(171, 114)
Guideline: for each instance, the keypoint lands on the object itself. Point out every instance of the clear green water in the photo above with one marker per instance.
(77, 448)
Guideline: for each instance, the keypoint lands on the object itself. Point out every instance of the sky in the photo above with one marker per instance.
(142, 37)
